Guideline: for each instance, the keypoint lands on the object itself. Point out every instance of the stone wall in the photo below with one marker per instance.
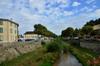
(91, 45)
(9, 51)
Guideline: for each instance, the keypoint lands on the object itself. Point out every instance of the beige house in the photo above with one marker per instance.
(8, 31)
(96, 27)
(31, 35)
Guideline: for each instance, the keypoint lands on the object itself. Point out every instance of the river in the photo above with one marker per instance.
(68, 60)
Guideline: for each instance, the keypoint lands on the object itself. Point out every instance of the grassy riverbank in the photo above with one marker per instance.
(82, 54)
(46, 55)
(49, 53)
(36, 58)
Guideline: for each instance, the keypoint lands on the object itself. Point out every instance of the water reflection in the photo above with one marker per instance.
(68, 60)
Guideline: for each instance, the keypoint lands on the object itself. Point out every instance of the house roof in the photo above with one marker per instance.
(29, 32)
(1, 19)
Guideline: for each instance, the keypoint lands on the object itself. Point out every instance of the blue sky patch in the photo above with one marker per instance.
(56, 15)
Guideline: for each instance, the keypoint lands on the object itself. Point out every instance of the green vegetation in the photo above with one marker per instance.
(42, 30)
(76, 32)
(46, 55)
(29, 59)
(68, 32)
(36, 58)
(93, 22)
(53, 50)
(87, 29)
(54, 46)
(82, 54)
(49, 53)
(95, 32)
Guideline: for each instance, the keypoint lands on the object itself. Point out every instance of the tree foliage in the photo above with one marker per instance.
(67, 32)
(87, 30)
(42, 30)
(76, 32)
(95, 32)
(93, 22)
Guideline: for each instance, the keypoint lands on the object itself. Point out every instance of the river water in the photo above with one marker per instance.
(68, 60)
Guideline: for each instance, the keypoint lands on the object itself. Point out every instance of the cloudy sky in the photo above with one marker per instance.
(56, 15)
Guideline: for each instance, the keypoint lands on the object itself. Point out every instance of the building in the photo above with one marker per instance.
(31, 35)
(96, 27)
(8, 31)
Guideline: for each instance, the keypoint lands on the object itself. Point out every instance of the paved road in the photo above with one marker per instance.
(68, 60)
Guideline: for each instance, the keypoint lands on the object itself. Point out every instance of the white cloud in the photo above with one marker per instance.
(76, 4)
(86, 9)
(92, 15)
(89, 1)
(68, 13)
(57, 19)
(64, 3)
(39, 4)
(97, 12)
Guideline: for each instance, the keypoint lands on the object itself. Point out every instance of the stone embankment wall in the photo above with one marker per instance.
(91, 45)
(9, 51)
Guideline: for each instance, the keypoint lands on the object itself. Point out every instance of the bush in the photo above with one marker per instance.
(43, 43)
(45, 64)
(64, 48)
(49, 59)
(53, 47)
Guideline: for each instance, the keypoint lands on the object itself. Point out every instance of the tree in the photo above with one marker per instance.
(68, 32)
(95, 32)
(86, 30)
(93, 22)
(76, 32)
(90, 23)
(42, 30)
(39, 29)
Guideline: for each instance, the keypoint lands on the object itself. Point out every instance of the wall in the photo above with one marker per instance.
(9, 51)
(95, 46)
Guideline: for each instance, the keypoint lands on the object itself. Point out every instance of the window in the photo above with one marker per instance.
(1, 38)
(1, 30)
(1, 23)
(15, 31)
(15, 26)
(11, 31)
(11, 24)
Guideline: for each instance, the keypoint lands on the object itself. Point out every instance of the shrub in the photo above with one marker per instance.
(43, 43)
(45, 64)
(64, 48)
(49, 58)
(53, 47)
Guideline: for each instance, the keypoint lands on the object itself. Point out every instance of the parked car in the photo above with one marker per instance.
(21, 40)
(29, 39)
